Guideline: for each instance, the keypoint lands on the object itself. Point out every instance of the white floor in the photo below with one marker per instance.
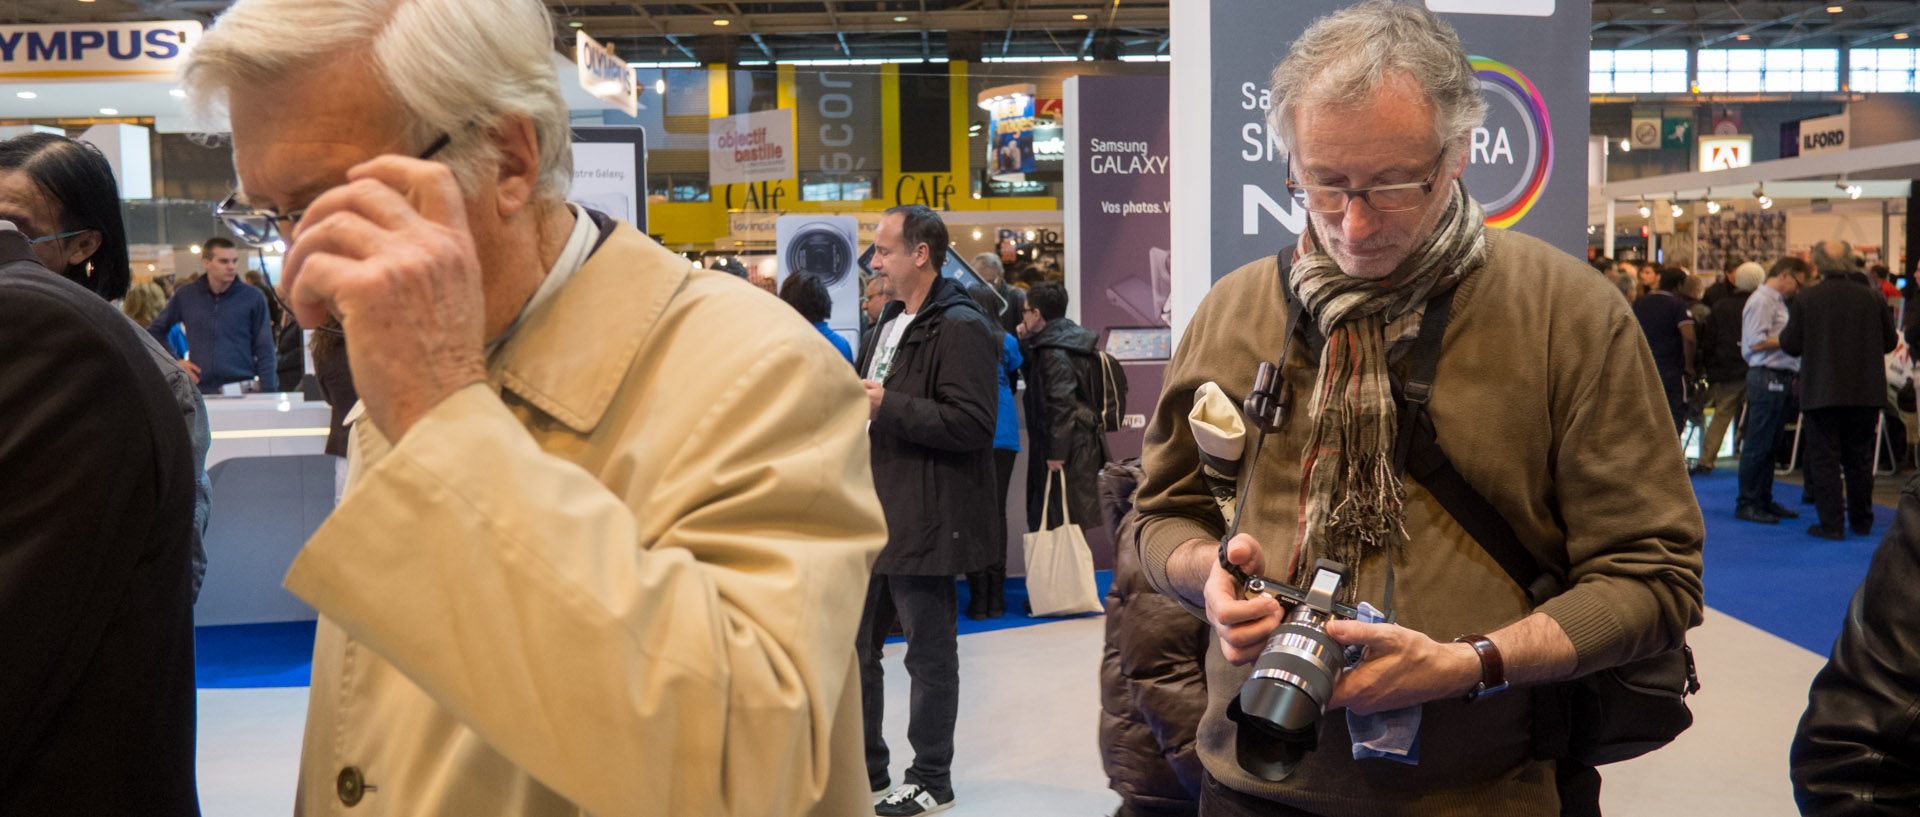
(1026, 739)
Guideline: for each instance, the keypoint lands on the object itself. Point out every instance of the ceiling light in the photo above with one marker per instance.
(576, 24)
(1079, 16)
(976, 234)
(27, 95)
(723, 22)
(1743, 37)
(1766, 203)
(660, 86)
(110, 111)
(1713, 208)
(1677, 210)
(1900, 35)
(176, 93)
(900, 18)
(1835, 9)
(1646, 212)
(1852, 190)
(1626, 145)
(195, 249)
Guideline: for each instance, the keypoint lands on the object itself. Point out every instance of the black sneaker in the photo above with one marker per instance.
(911, 799)
(1862, 528)
(1824, 532)
(881, 789)
(1782, 511)
(1746, 513)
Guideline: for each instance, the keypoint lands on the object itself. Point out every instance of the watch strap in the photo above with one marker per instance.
(1493, 671)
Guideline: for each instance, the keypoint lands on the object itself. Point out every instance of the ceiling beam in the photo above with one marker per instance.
(838, 21)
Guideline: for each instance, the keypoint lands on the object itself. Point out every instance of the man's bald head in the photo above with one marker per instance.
(1833, 256)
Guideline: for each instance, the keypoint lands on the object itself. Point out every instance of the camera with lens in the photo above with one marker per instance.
(1278, 709)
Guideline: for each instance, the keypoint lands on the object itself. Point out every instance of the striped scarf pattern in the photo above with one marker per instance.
(1352, 500)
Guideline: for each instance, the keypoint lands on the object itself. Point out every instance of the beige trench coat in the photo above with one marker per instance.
(620, 578)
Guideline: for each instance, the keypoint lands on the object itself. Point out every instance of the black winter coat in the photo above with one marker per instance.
(1062, 424)
(1857, 751)
(933, 437)
(1841, 329)
(1152, 689)
(96, 673)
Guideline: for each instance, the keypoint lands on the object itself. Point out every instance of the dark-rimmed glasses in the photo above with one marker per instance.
(261, 227)
(1383, 198)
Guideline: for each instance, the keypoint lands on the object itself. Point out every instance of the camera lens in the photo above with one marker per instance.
(821, 252)
(1278, 709)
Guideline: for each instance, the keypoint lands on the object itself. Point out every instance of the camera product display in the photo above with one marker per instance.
(822, 248)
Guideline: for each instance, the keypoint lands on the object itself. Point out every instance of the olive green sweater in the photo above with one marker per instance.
(1547, 402)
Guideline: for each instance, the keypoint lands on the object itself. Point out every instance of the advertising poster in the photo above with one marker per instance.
(91, 52)
(1119, 230)
(1010, 137)
(751, 147)
(1524, 164)
(825, 247)
(610, 172)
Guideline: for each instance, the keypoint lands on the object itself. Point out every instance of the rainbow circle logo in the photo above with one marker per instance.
(1518, 135)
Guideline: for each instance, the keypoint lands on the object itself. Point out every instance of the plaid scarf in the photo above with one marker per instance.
(1351, 496)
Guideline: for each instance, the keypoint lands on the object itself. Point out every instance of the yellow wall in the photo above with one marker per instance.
(700, 225)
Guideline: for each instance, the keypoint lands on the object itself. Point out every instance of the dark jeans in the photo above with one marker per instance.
(1674, 385)
(983, 581)
(927, 609)
(1840, 441)
(1766, 415)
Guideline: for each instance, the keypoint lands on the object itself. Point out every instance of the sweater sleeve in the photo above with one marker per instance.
(1175, 505)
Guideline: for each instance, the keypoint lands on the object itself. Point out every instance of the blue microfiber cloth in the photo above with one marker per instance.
(1393, 735)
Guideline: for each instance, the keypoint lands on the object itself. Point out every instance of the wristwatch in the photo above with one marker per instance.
(1493, 672)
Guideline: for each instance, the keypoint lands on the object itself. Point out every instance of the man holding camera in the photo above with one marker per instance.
(1542, 389)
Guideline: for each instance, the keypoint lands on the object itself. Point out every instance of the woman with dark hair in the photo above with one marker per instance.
(69, 185)
(808, 295)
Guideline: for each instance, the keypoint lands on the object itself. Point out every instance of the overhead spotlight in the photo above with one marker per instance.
(110, 111)
(1765, 203)
(723, 22)
(1835, 9)
(1645, 211)
(900, 18)
(27, 95)
(1677, 210)
(176, 93)
(1031, 235)
(1743, 37)
(1900, 35)
(195, 249)
(1852, 190)
(1626, 145)
(660, 86)
(576, 24)
(1589, 229)
(1713, 207)
(1079, 17)
(976, 234)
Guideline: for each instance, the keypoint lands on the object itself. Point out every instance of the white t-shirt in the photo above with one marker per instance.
(889, 344)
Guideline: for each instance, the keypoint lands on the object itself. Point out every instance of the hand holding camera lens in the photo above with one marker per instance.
(1242, 624)
(1403, 668)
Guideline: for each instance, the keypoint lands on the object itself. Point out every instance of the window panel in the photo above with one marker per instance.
(1714, 60)
(1782, 59)
(1864, 81)
(1633, 83)
(1671, 59)
(1823, 81)
(1777, 82)
(1864, 58)
(1745, 60)
(1738, 81)
(1713, 83)
(1670, 82)
(1600, 62)
(1820, 59)
(1598, 83)
(1632, 61)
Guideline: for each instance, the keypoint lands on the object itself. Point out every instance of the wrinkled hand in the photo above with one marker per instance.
(192, 371)
(875, 394)
(390, 254)
(1242, 624)
(1403, 668)
(1055, 465)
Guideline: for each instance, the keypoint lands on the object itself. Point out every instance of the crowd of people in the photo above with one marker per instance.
(589, 561)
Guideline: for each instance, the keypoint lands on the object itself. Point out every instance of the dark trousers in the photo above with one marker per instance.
(1674, 383)
(1766, 415)
(1840, 443)
(1579, 797)
(983, 583)
(926, 606)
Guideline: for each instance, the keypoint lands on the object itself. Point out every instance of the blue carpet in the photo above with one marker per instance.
(280, 654)
(1777, 577)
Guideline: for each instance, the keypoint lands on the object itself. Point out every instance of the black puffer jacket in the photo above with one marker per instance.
(933, 437)
(1062, 423)
(1858, 748)
(1152, 689)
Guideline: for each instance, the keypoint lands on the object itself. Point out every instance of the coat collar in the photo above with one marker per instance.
(571, 354)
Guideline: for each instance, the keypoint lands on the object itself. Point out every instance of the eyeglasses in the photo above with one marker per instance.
(1383, 198)
(260, 227)
(46, 238)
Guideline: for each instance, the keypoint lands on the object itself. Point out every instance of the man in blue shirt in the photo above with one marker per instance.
(1770, 373)
(227, 332)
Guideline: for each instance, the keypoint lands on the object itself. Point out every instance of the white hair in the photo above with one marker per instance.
(1748, 276)
(1343, 59)
(450, 64)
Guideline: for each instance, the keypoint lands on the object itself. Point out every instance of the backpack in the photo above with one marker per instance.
(1108, 392)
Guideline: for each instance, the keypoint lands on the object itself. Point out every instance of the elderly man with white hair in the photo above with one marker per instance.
(1540, 402)
(586, 562)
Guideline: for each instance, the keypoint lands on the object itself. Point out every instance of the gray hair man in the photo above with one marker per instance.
(585, 562)
(1540, 376)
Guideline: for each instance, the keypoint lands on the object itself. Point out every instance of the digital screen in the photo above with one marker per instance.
(1147, 343)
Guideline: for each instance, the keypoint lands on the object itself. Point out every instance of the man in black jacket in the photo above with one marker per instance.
(932, 382)
(1063, 427)
(1842, 330)
(1857, 752)
(96, 694)
(1720, 356)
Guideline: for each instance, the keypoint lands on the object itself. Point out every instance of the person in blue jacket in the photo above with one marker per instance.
(986, 589)
(808, 295)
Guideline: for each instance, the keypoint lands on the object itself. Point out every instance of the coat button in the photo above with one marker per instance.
(350, 785)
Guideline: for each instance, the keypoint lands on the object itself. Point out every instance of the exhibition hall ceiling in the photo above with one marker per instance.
(772, 30)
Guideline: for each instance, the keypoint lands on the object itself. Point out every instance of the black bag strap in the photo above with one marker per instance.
(1417, 453)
